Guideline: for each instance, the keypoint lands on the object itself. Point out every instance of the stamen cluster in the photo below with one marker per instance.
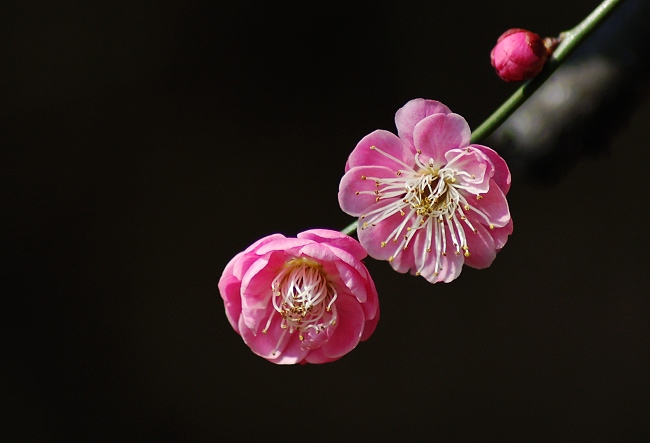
(303, 297)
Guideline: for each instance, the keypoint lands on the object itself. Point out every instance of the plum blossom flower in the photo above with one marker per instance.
(428, 201)
(301, 300)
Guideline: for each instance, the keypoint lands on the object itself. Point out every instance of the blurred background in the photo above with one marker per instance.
(144, 144)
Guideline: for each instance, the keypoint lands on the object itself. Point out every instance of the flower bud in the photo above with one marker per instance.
(519, 55)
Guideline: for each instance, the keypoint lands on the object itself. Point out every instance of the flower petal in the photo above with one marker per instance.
(275, 340)
(337, 239)
(349, 328)
(249, 255)
(371, 306)
(501, 172)
(412, 113)
(449, 265)
(372, 237)
(386, 142)
(288, 245)
(337, 268)
(353, 182)
(500, 235)
(481, 247)
(370, 325)
(473, 169)
(230, 287)
(293, 352)
(438, 133)
(256, 288)
(317, 356)
(494, 205)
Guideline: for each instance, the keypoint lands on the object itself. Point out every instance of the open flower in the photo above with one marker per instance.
(428, 201)
(301, 300)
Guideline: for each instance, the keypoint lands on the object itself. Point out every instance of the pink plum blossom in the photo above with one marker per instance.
(519, 55)
(301, 300)
(428, 200)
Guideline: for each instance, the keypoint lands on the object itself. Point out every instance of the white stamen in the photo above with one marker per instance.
(428, 198)
(303, 297)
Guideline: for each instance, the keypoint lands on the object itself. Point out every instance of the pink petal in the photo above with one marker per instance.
(501, 172)
(372, 237)
(371, 306)
(335, 267)
(337, 239)
(265, 344)
(426, 261)
(230, 287)
(500, 235)
(438, 133)
(248, 256)
(473, 167)
(293, 353)
(412, 113)
(229, 269)
(387, 142)
(263, 241)
(494, 205)
(289, 246)
(481, 247)
(370, 325)
(349, 327)
(452, 264)
(256, 288)
(352, 182)
(371, 320)
(317, 356)
(352, 280)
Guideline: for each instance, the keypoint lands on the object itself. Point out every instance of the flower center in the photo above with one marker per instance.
(431, 194)
(429, 199)
(304, 298)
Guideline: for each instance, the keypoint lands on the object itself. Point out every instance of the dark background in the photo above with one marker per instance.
(143, 144)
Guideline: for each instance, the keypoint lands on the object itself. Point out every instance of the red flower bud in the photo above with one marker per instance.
(519, 55)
